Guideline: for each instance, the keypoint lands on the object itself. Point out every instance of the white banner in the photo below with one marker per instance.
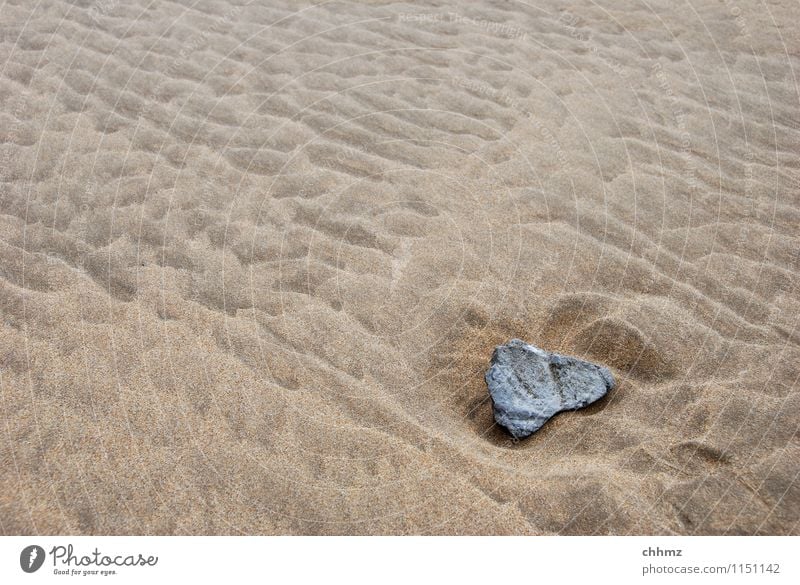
(122, 559)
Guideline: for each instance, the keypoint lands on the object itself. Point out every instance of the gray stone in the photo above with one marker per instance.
(529, 385)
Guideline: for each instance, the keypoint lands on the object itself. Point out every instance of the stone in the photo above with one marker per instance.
(529, 385)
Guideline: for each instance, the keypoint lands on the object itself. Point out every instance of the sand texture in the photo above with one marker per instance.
(255, 258)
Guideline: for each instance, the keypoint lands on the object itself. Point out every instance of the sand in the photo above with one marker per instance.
(254, 261)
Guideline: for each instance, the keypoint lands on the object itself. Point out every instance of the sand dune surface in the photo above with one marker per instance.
(255, 257)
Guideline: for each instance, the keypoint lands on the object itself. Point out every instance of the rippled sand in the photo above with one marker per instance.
(254, 261)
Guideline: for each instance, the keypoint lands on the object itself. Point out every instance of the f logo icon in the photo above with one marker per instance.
(31, 558)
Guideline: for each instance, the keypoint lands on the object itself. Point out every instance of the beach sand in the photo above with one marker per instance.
(254, 261)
